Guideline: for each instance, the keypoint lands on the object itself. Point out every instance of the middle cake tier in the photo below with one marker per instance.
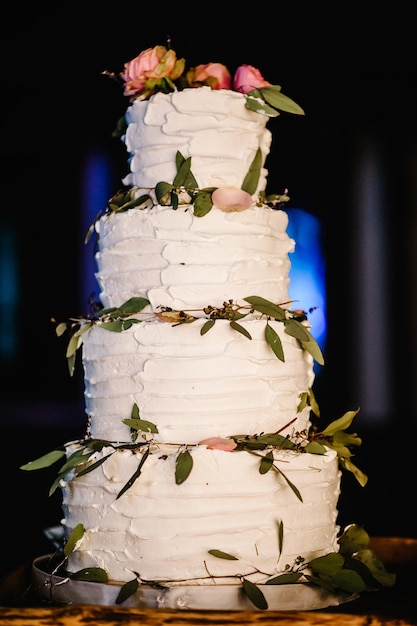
(192, 386)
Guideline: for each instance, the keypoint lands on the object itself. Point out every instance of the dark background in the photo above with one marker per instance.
(355, 77)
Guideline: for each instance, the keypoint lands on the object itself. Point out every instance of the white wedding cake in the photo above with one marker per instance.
(199, 466)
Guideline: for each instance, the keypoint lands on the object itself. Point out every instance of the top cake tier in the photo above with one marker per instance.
(213, 127)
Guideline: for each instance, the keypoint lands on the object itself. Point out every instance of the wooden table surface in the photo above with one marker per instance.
(394, 606)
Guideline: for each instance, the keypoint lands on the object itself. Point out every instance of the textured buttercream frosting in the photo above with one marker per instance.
(194, 385)
(191, 386)
(163, 531)
(212, 127)
(178, 260)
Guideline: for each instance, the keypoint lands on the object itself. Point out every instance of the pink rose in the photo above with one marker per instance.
(218, 443)
(247, 78)
(215, 75)
(154, 63)
(231, 199)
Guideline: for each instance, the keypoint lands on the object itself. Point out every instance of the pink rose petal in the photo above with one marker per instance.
(231, 199)
(218, 443)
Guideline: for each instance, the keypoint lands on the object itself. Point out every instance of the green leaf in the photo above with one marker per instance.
(184, 176)
(273, 96)
(258, 106)
(116, 326)
(173, 201)
(126, 324)
(183, 466)
(360, 476)
(276, 440)
(254, 594)
(296, 329)
(342, 438)
(273, 340)
(122, 202)
(267, 462)
(376, 567)
(328, 564)
(163, 192)
(325, 583)
(71, 364)
(266, 307)
(284, 579)
(314, 349)
(74, 343)
(89, 468)
(44, 461)
(354, 563)
(280, 536)
(206, 326)
(349, 581)
(314, 447)
(134, 476)
(251, 180)
(240, 329)
(223, 555)
(55, 484)
(76, 535)
(202, 203)
(60, 329)
(78, 457)
(143, 425)
(353, 539)
(313, 403)
(134, 305)
(290, 484)
(91, 574)
(340, 424)
(128, 589)
(179, 160)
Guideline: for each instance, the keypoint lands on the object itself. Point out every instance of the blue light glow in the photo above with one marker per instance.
(95, 195)
(9, 293)
(307, 275)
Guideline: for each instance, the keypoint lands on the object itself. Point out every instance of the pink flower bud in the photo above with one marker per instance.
(215, 75)
(247, 78)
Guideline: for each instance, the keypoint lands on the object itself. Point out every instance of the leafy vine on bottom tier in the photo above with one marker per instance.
(351, 571)
(355, 568)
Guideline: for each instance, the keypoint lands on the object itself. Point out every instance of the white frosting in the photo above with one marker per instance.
(163, 531)
(191, 386)
(194, 386)
(212, 127)
(185, 262)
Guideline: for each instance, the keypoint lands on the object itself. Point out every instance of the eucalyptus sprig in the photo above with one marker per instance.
(115, 319)
(118, 319)
(270, 101)
(352, 570)
(334, 436)
(185, 190)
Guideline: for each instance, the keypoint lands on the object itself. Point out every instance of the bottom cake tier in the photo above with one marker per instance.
(164, 513)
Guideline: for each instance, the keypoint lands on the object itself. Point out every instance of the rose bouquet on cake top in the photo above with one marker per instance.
(158, 69)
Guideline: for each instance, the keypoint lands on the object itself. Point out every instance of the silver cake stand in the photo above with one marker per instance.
(57, 589)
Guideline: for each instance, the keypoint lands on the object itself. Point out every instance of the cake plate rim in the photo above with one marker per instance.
(59, 589)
